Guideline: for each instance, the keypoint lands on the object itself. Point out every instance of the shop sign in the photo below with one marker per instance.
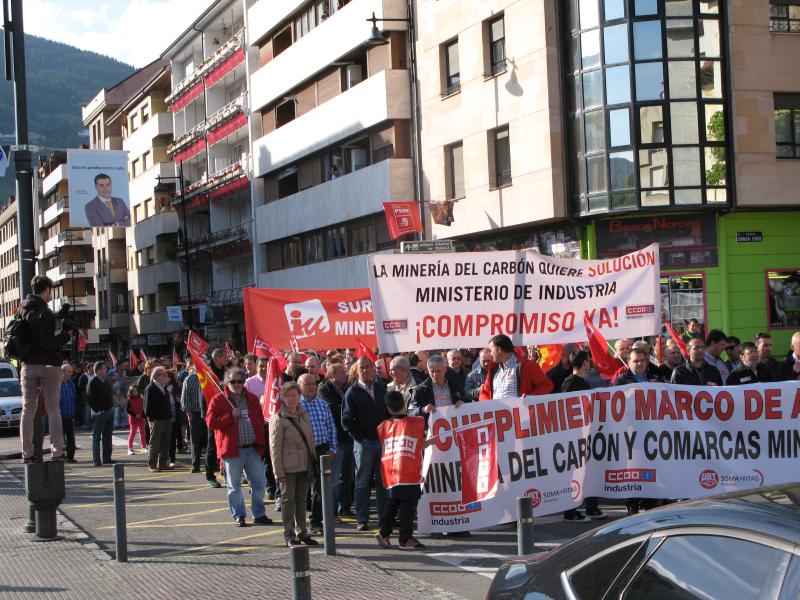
(686, 240)
(174, 314)
(157, 339)
(562, 242)
(749, 236)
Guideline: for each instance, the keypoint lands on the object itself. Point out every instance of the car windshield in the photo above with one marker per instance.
(9, 388)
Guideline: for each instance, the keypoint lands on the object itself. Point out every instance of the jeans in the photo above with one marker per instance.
(248, 460)
(35, 378)
(198, 438)
(102, 427)
(273, 489)
(212, 463)
(368, 463)
(342, 477)
(68, 426)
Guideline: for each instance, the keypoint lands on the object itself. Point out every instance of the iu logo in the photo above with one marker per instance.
(306, 318)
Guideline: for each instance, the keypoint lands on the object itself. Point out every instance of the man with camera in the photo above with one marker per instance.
(41, 365)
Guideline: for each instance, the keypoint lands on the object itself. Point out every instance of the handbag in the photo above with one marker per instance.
(312, 456)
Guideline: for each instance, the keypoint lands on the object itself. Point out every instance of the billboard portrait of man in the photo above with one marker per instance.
(99, 194)
(104, 210)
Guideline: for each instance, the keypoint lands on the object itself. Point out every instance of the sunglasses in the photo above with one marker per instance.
(237, 381)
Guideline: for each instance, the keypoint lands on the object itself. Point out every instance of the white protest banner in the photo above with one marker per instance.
(458, 300)
(648, 440)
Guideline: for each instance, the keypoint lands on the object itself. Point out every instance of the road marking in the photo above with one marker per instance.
(181, 516)
(276, 531)
(168, 526)
(147, 505)
(476, 557)
(153, 477)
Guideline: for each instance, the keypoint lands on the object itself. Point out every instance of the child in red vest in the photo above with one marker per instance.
(402, 439)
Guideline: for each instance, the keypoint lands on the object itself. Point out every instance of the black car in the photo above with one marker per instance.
(743, 545)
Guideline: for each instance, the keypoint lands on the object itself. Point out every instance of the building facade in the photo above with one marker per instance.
(209, 101)
(332, 137)
(9, 265)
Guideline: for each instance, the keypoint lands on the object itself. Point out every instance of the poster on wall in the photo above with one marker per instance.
(98, 188)
(783, 298)
(685, 241)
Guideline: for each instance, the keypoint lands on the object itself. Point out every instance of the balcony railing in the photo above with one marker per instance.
(231, 109)
(228, 304)
(219, 179)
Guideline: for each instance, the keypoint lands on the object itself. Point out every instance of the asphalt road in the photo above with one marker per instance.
(175, 514)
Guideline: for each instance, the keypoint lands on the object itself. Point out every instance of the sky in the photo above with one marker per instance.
(135, 32)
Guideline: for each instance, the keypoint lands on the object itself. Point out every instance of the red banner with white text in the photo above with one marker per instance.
(402, 218)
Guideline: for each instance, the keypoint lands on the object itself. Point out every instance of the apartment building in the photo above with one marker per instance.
(65, 254)
(593, 127)
(9, 264)
(151, 241)
(209, 102)
(332, 136)
(105, 121)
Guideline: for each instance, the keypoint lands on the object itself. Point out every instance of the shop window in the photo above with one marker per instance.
(783, 298)
(683, 297)
(784, 16)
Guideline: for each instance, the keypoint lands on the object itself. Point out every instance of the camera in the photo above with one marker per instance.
(68, 320)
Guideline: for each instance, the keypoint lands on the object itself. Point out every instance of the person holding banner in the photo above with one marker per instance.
(436, 391)
(749, 371)
(332, 391)
(364, 409)
(402, 381)
(402, 439)
(256, 386)
(696, 371)
(638, 370)
(476, 377)
(506, 377)
(791, 366)
(672, 360)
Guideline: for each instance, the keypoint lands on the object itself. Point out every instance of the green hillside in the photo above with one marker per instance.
(61, 79)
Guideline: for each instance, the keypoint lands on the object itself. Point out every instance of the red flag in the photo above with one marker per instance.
(229, 351)
(674, 335)
(134, 360)
(549, 356)
(82, 341)
(477, 445)
(264, 348)
(606, 365)
(402, 218)
(113, 359)
(196, 343)
(294, 344)
(208, 381)
(271, 400)
(362, 350)
(142, 355)
(175, 358)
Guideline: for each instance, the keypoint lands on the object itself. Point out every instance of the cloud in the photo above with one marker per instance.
(133, 31)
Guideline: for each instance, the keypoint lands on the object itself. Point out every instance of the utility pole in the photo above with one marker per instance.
(14, 47)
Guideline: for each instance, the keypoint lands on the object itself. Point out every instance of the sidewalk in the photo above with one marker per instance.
(73, 567)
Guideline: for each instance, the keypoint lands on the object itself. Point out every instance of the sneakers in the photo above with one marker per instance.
(278, 504)
(383, 542)
(130, 452)
(265, 520)
(241, 522)
(595, 514)
(213, 483)
(308, 540)
(363, 527)
(574, 516)
(411, 544)
(155, 470)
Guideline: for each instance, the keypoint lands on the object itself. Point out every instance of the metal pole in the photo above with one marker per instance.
(121, 531)
(190, 319)
(15, 42)
(524, 526)
(30, 522)
(301, 573)
(328, 524)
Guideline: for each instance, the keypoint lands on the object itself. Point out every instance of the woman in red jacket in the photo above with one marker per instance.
(135, 410)
(237, 421)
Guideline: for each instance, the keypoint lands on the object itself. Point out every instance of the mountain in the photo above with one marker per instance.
(61, 79)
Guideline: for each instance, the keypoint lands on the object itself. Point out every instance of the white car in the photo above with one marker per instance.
(7, 371)
(10, 403)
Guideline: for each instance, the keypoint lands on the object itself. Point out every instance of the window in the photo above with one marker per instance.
(497, 45)
(454, 169)
(452, 70)
(784, 16)
(594, 578)
(787, 125)
(783, 305)
(501, 151)
(285, 112)
(362, 238)
(704, 566)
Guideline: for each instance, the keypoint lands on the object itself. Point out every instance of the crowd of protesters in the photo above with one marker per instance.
(339, 404)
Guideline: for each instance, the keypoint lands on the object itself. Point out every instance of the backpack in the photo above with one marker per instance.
(19, 337)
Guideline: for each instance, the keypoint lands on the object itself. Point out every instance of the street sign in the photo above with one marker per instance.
(427, 246)
(749, 236)
(174, 314)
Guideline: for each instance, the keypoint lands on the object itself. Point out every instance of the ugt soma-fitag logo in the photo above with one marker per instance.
(710, 479)
(306, 319)
(628, 480)
(538, 497)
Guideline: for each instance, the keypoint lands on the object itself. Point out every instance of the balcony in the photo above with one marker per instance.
(148, 278)
(71, 270)
(341, 33)
(154, 322)
(354, 195)
(52, 212)
(74, 238)
(141, 187)
(50, 182)
(146, 232)
(186, 140)
(220, 244)
(115, 270)
(348, 272)
(382, 97)
(141, 140)
(78, 303)
(227, 305)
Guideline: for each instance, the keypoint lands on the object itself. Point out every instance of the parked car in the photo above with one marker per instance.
(738, 545)
(10, 403)
(8, 371)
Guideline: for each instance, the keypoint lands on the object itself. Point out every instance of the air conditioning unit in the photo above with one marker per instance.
(354, 74)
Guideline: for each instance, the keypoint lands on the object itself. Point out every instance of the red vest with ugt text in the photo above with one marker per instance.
(401, 443)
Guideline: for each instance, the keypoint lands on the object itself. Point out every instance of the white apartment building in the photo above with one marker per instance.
(209, 101)
(332, 137)
(9, 265)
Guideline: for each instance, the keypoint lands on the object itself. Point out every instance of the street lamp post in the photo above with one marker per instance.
(162, 189)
